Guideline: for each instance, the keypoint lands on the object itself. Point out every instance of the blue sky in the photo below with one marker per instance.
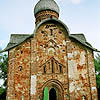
(81, 16)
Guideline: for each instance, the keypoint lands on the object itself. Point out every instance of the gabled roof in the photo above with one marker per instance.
(17, 39)
(79, 36)
(81, 39)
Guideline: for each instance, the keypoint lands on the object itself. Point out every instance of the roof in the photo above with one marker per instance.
(17, 39)
(81, 39)
(79, 36)
(46, 5)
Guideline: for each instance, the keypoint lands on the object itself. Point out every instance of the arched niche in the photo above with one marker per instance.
(56, 87)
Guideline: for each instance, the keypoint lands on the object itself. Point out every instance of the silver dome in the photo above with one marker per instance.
(46, 5)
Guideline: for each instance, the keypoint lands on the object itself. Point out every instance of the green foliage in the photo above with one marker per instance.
(2, 93)
(98, 81)
(97, 63)
(3, 74)
(46, 97)
(2, 90)
(3, 67)
(97, 68)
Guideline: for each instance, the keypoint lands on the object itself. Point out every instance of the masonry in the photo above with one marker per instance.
(50, 58)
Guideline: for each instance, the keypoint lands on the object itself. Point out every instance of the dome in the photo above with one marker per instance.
(46, 5)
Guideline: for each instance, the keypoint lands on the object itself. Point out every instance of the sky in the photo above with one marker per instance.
(81, 16)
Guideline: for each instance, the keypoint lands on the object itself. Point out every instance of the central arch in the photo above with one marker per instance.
(52, 94)
(55, 89)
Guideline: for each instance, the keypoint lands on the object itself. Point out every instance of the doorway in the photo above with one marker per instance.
(52, 94)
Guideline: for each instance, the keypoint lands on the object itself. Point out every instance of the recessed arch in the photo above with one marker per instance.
(56, 87)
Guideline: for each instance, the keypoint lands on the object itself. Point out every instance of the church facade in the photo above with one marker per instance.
(51, 62)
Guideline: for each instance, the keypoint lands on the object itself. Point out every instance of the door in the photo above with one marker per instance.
(52, 94)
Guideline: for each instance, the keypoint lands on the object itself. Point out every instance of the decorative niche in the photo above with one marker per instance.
(52, 66)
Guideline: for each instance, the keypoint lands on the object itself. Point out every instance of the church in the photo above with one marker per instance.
(51, 63)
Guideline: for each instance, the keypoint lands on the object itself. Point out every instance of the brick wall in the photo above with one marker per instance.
(44, 15)
(51, 59)
(19, 72)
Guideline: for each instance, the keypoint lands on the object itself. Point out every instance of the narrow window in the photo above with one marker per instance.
(60, 68)
(52, 66)
(56, 65)
(51, 30)
(49, 65)
(44, 68)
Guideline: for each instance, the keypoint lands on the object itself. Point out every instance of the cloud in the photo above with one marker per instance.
(76, 1)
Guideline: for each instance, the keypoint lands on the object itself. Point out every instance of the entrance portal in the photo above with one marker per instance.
(52, 94)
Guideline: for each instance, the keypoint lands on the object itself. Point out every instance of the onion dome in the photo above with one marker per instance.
(43, 5)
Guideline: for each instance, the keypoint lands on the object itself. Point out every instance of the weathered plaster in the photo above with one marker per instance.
(33, 84)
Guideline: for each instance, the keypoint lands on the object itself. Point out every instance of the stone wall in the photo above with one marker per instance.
(49, 56)
(10, 75)
(19, 72)
(51, 59)
(54, 48)
(78, 72)
(92, 76)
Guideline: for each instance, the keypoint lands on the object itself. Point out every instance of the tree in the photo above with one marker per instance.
(97, 68)
(3, 75)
